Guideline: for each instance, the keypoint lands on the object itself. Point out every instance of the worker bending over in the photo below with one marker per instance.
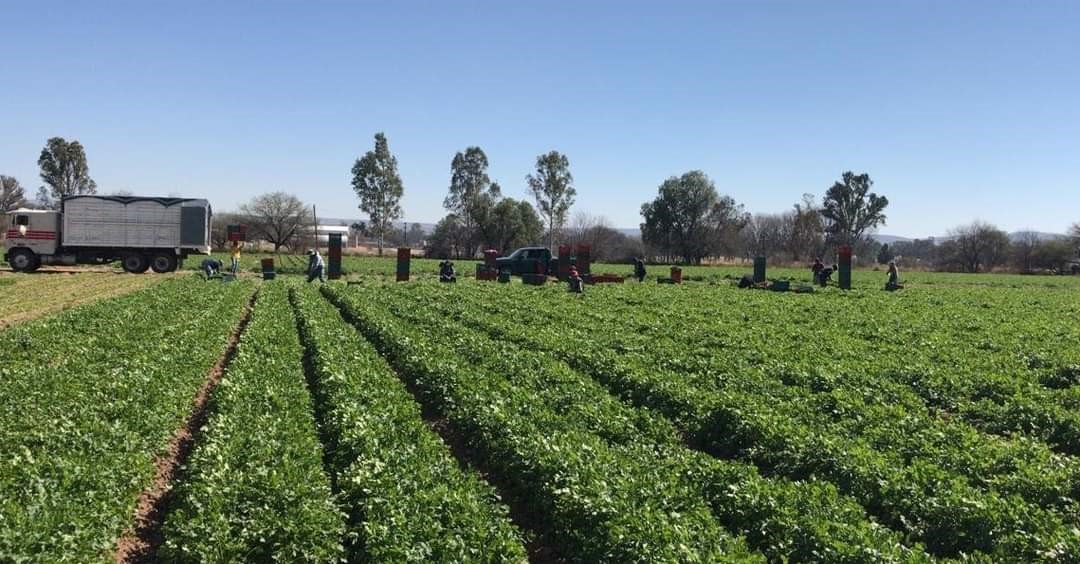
(446, 272)
(211, 266)
(577, 285)
(825, 274)
(639, 269)
(893, 283)
(315, 266)
(235, 257)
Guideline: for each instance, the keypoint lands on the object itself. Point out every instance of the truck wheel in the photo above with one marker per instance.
(135, 264)
(23, 260)
(163, 263)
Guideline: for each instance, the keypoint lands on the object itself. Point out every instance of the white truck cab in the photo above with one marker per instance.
(31, 234)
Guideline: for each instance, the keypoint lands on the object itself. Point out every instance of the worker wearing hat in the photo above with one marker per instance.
(315, 266)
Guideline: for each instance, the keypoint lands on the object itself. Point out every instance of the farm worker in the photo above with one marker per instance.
(825, 275)
(894, 277)
(315, 266)
(639, 269)
(446, 272)
(817, 268)
(235, 257)
(211, 266)
(576, 285)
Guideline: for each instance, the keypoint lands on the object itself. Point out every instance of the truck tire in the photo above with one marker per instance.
(135, 263)
(23, 260)
(163, 263)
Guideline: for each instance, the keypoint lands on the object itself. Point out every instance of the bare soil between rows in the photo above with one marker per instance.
(140, 544)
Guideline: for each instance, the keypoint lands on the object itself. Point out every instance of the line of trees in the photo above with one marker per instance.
(982, 247)
(688, 221)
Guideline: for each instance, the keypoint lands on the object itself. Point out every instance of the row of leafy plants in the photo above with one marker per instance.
(998, 358)
(89, 398)
(406, 497)
(254, 489)
(849, 399)
(641, 455)
(753, 418)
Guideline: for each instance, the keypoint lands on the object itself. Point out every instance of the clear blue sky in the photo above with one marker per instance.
(958, 110)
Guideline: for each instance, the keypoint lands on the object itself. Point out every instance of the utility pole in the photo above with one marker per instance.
(315, 226)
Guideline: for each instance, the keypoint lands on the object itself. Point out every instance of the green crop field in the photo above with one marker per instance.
(371, 421)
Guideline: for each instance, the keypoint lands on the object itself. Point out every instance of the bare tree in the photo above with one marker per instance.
(978, 246)
(807, 230)
(1074, 234)
(278, 218)
(768, 235)
(1024, 248)
(12, 195)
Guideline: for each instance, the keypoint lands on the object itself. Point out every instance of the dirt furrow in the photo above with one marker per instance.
(140, 544)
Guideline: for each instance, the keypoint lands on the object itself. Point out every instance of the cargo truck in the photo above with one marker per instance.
(142, 233)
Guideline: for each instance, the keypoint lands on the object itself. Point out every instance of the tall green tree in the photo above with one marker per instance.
(507, 224)
(64, 170)
(12, 195)
(378, 185)
(447, 240)
(470, 187)
(850, 209)
(553, 188)
(690, 220)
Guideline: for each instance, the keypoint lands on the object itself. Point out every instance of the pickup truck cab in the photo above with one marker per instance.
(527, 260)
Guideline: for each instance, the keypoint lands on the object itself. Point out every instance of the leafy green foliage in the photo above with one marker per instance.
(875, 438)
(407, 498)
(255, 489)
(89, 397)
(602, 502)
(800, 522)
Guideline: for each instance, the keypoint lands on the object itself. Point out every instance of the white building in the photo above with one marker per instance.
(323, 233)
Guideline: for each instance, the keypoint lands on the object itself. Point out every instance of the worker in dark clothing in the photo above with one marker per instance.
(893, 282)
(825, 275)
(639, 269)
(446, 272)
(315, 266)
(817, 268)
(577, 285)
(211, 266)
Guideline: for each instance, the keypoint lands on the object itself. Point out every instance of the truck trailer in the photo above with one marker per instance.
(140, 232)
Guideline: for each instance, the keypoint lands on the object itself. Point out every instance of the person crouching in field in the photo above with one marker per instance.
(235, 257)
(446, 272)
(315, 266)
(577, 286)
(893, 283)
(210, 267)
(639, 269)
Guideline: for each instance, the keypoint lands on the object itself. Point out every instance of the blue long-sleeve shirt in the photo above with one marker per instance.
(314, 262)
